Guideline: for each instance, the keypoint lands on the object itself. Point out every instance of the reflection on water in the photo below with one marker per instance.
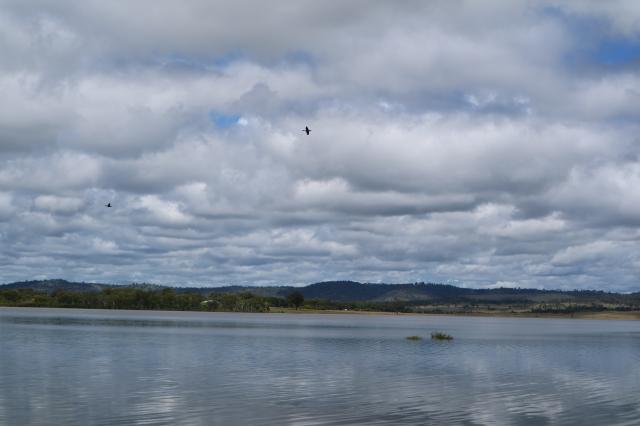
(77, 367)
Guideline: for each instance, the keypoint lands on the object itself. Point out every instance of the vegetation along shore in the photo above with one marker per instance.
(327, 297)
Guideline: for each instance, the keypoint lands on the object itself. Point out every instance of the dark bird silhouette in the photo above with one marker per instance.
(307, 130)
(108, 205)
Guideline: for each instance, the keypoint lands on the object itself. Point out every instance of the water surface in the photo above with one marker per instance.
(94, 367)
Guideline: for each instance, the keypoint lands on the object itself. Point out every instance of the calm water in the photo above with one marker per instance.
(88, 367)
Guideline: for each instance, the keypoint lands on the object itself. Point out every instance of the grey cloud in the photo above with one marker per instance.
(623, 16)
(57, 204)
(451, 141)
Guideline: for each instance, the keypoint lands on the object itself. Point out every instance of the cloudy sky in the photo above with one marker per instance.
(475, 143)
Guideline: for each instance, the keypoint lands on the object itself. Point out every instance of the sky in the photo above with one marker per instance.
(480, 144)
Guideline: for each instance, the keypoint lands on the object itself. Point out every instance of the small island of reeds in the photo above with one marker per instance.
(414, 338)
(439, 335)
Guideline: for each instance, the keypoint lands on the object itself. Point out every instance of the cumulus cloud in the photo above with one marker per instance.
(478, 144)
(56, 204)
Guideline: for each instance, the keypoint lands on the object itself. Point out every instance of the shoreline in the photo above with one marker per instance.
(603, 315)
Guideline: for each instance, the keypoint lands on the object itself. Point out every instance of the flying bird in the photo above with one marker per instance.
(108, 205)
(307, 130)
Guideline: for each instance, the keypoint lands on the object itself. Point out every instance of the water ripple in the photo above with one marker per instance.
(142, 368)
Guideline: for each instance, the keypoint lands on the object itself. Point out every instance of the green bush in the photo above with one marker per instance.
(439, 335)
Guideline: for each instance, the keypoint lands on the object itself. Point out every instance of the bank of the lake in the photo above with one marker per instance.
(606, 315)
(601, 315)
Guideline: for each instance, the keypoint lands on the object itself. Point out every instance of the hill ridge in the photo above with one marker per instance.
(354, 291)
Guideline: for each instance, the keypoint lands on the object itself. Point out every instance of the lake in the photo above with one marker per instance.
(96, 367)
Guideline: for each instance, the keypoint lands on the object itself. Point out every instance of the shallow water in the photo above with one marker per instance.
(93, 367)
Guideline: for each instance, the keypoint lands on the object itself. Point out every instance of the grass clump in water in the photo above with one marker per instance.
(414, 338)
(439, 335)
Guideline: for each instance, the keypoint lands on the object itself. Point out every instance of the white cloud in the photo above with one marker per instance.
(56, 204)
(451, 141)
(590, 252)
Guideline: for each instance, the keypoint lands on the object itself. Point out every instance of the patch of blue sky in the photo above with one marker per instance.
(222, 120)
(617, 52)
(594, 44)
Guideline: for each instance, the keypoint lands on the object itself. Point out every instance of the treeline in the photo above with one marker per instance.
(575, 308)
(153, 298)
(140, 299)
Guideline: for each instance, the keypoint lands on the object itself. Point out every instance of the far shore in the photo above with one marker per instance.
(604, 315)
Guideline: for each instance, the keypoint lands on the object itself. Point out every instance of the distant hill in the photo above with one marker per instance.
(48, 286)
(351, 291)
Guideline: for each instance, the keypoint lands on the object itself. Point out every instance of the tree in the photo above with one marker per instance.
(10, 295)
(295, 299)
(168, 298)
